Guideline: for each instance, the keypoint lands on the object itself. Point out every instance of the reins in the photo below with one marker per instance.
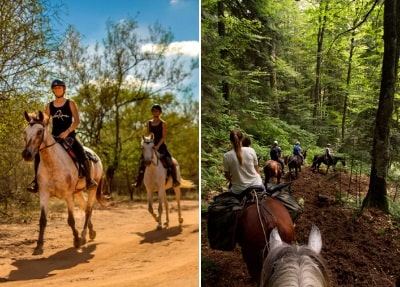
(50, 145)
(261, 215)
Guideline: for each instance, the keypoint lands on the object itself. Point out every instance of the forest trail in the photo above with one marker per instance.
(359, 250)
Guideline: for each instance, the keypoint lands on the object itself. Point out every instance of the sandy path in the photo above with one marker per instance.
(127, 251)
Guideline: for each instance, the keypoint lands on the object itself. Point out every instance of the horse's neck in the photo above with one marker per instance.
(51, 151)
(156, 160)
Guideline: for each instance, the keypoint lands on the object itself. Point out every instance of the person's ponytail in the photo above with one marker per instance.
(236, 137)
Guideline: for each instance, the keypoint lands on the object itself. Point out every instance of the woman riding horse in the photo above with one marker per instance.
(241, 165)
(64, 113)
(259, 217)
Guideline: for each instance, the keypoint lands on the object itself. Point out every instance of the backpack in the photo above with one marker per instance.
(222, 219)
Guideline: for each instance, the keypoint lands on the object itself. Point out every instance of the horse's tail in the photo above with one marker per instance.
(186, 183)
(99, 194)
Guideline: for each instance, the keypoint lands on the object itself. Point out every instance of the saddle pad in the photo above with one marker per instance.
(91, 156)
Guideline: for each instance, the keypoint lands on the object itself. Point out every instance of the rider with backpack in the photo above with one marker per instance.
(276, 153)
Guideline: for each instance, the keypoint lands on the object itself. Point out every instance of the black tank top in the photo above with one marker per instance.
(157, 131)
(62, 118)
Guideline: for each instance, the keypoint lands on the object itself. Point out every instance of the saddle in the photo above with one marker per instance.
(67, 145)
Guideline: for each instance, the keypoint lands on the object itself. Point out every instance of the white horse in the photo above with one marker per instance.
(292, 265)
(58, 176)
(155, 180)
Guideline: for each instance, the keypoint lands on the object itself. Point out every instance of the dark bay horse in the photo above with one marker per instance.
(294, 162)
(272, 168)
(322, 158)
(292, 265)
(58, 176)
(255, 223)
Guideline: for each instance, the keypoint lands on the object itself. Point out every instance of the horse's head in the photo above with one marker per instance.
(147, 148)
(336, 159)
(34, 134)
(291, 264)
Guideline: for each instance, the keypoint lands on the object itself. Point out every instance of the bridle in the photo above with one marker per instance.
(146, 141)
(32, 123)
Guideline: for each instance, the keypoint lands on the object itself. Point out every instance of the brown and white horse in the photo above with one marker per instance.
(58, 176)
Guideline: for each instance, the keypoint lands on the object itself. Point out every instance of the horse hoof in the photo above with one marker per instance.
(92, 234)
(159, 227)
(37, 251)
(180, 220)
(83, 241)
(77, 242)
(166, 224)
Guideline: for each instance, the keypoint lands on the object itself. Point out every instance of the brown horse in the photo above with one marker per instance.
(272, 169)
(294, 162)
(255, 224)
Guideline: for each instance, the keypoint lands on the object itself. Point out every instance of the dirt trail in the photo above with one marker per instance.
(359, 250)
(127, 251)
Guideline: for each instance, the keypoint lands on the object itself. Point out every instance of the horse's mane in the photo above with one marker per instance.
(292, 265)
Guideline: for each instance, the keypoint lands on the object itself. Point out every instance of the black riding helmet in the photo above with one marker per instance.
(57, 83)
(156, 107)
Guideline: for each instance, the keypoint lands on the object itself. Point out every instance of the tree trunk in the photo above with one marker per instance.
(221, 32)
(348, 80)
(317, 87)
(376, 196)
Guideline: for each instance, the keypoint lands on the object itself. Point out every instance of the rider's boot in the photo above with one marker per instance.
(90, 182)
(172, 170)
(140, 176)
(176, 182)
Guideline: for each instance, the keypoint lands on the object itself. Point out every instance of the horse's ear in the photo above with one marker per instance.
(274, 239)
(142, 137)
(27, 117)
(41, 116)
(314, 240)
(152, 136)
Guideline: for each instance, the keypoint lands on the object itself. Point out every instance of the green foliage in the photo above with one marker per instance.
(269, 85)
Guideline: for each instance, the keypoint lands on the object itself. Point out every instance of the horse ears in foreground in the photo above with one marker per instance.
(314, 239)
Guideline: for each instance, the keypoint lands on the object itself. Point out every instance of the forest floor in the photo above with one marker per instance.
(128, 250)
(360, 250)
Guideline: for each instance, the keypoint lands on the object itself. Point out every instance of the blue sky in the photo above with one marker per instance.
(89, 18)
